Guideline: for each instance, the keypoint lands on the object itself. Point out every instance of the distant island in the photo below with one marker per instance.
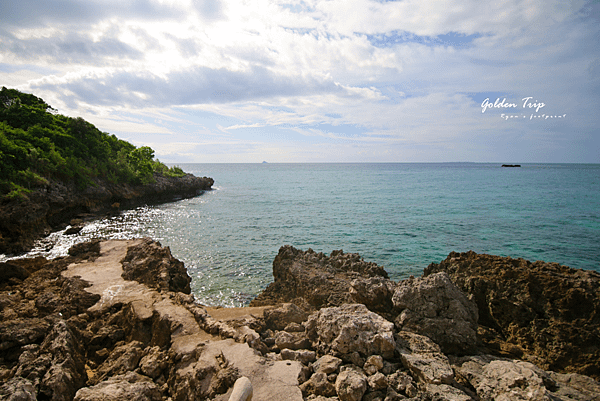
(55, 168)
(511, 165)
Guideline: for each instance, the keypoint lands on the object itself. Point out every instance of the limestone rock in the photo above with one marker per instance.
(327, 364)
(154, 362)
(351, 328)
(151, 264)
(351, 384)
(293, 341)
(444, 392)
(319, 279)
(121, 360)
(378, 381)
(318, 384)
(373, 292)
(424, 358)
(303, 356)
(433, 306)
(373, 364)
(504, 379)
(402, 383)
(130, 386)
(279, 318)
(543, 312)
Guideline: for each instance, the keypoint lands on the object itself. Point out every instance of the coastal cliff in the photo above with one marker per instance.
(115, 320)
(58, 203)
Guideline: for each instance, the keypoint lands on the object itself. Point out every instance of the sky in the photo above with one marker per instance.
(224, 81)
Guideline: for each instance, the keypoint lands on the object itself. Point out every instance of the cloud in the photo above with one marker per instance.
(373, 74)
(35, 13)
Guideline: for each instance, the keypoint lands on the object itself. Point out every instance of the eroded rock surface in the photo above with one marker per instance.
(75, 328)
(435, 307)
(316, 279)
(543, 312)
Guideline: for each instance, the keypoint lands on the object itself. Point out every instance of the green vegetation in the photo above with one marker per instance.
(37, 144)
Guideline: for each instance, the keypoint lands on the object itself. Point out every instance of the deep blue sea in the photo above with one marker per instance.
(400, 216)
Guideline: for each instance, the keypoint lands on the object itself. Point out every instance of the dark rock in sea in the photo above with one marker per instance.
(23, 221)
(542, 312)
(151, 264)
(317, 280)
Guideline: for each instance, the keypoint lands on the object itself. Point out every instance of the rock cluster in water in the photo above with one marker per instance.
(115, 320)
(53, 207)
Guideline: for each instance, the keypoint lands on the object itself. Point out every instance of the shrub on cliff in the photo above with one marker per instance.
(37, 144)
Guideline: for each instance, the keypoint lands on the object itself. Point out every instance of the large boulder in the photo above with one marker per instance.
(317, 279)
(542, 312)
(351, 328)
(433, 306)
(424, 358)
(152, 264)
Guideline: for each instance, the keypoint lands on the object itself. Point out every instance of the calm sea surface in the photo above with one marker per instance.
(401, 216)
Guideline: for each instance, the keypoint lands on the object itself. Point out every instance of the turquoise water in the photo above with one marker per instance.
(401, 216)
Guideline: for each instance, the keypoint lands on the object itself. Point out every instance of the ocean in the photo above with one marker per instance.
(402, 216)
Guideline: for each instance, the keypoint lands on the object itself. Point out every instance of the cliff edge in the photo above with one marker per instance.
(55, 205)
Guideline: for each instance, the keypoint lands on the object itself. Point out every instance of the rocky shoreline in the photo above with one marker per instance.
(58, 204)
(115, 320)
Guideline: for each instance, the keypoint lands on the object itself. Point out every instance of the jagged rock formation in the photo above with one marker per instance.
(115, 321)
(542, 312)
(315, 280)
(22, 221)
(438, 352)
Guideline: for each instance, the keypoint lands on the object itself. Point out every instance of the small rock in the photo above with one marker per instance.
(293, 341)
(373, 364)
(242, 390)
(303, 356)
(327, 364)
(318, 385)
(351, 385)
(377, 381)
(294, 328)
(424, 358)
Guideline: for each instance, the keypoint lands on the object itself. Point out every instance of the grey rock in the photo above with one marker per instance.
(434, 306)
(424, 358)
(131, 387)
(293, 341)
(351, 328)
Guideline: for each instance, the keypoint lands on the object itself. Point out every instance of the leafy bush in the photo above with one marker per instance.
(37, 144)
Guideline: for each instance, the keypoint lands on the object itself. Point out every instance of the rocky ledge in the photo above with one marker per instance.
(58, 204)
(114, 320)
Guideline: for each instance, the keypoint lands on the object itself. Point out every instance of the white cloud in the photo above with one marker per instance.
(394, 73)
